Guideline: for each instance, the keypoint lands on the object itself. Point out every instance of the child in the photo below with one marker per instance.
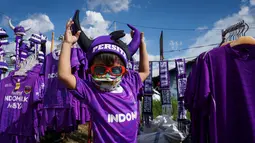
(111, 95)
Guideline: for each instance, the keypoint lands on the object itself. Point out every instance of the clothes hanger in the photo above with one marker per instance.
(249, 40)
(232, 32)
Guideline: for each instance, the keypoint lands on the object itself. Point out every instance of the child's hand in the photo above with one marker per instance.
(69, 38)
(142, 43)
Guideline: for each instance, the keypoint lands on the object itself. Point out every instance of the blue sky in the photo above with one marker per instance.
(98, 15)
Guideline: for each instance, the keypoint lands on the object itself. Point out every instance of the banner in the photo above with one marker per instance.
(166, 96)
(166, 101)
(181, 87)
(181, 110)
(181, 82)
(164, 75)
(180, 67)
(147, 109)
(148, 82)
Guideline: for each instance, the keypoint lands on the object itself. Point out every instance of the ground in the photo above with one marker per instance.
(79, 136)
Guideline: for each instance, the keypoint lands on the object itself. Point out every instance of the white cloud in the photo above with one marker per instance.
(39, 23)
(136, 5)
(252, 2)
(214, 36)
(4, 21)
(109, 5)
(202, 28)
(94, 24)
(175, 45)
(244, 11)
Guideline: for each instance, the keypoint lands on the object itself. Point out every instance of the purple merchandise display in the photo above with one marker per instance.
(19, 32)
(35, 41)
(79, 66)
(165, 87)
(56, 94)
(19, 96)
(3, 41)
(225, 93)
(134, 65)
(147, 100)
(181, 82)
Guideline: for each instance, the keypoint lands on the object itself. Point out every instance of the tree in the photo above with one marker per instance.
(156, 108)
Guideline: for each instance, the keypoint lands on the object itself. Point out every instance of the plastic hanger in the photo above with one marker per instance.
(244, 39)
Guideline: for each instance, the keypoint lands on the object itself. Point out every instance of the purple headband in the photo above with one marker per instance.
(3, 37)
(3, 65)
(18, 30)
(36, 38)
(108, 43)
(3, 33)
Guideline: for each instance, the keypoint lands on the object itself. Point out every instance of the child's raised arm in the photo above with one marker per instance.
(64, 69)
(144, 69)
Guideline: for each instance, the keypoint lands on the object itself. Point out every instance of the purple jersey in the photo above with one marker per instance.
(56, 94)
(6, 138)
(114, 114)
(227, 95)
(199, 124)
(79, 66)
(18, 106)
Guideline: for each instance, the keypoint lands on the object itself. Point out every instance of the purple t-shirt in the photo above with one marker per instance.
(227, 94)
(18, 106)
(79, 66)
(113, 114)
(56, 94)
(199, 124)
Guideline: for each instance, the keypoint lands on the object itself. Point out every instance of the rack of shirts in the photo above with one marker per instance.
(21, 94)
(220, 93)
(62, 111)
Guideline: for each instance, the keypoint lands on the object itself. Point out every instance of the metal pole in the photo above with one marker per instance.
(115, 26)
(52, 42)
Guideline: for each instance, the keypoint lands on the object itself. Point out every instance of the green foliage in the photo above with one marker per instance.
(175, 108)
(157, 108)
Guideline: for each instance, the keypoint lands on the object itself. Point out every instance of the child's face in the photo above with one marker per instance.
(99, 69)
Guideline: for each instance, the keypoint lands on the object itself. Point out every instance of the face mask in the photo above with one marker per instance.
(107, 82)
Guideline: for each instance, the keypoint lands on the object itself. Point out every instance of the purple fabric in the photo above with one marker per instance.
(65, 119)
(48, 119)
(85, 114)
(56, 94)
(79, 65)
(227, 95)
(5, 138)
(58, 119)
(17, 107)
(36, 38)
(105, 106)
(199, 122)
(3, 33)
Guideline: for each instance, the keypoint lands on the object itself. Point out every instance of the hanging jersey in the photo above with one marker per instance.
(56, 94)
(18, 105)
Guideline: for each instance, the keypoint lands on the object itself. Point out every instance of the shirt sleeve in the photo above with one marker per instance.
(82, 89)
(37, 97)
(203, 86)
(133, 79)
